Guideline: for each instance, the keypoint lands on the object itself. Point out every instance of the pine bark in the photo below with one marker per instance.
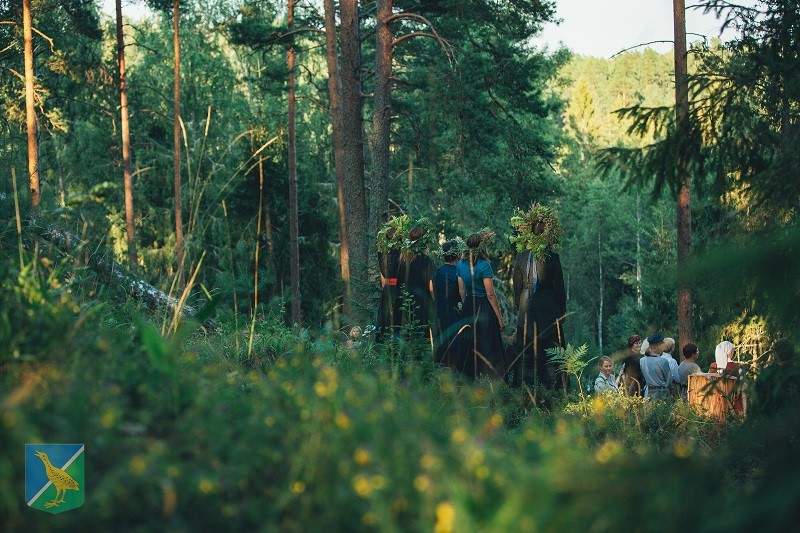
(684, 215)
(176, 138)
(353, 153)
(126, 140)
(30, 110)
(294, 261)
(381, 120)
(335, 97)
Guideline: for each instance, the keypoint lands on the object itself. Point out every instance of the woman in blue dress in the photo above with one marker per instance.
(481, 311)
(447, 302)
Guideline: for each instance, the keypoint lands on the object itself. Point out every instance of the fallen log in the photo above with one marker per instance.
(154, 298)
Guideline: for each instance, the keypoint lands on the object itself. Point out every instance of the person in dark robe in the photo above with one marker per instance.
(541, 304)
(389, 305)
(415, 281)
(447, 302)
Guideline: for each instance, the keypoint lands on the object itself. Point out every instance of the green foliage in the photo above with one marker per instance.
(547, 240)
(393, 232)
(303, 432)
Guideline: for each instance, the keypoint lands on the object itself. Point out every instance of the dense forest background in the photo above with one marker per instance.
(469, 142)
(479, 122)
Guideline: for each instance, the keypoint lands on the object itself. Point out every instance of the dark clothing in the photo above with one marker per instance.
(483, 342)
(389, 306)
(448, 318)
(632, 378)
(414, 279)
(541, 304)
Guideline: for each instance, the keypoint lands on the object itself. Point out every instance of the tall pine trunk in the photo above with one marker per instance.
(684, 215)
(381, 119)
(353, 153)
(30, 110)
(176, 139)
(335, 96)
(294, 261)
(126, 140)
(601, 287)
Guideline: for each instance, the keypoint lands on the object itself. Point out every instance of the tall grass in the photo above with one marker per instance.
(297, 432)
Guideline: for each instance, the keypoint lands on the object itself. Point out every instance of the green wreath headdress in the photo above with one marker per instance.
(543, 244)
(487, 236)
(400, 225)
(459, 248)
(424, 245)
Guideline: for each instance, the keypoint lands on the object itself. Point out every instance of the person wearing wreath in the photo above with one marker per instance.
(483, 353)
(415, 282)
(539, 297)
(390, 240)
(447, 303)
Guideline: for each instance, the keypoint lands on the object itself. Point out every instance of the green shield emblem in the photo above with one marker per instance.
(54, 479)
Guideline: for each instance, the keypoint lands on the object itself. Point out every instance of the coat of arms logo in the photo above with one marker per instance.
(54, 480)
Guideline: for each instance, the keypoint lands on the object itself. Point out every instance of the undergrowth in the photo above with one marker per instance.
(297, 431)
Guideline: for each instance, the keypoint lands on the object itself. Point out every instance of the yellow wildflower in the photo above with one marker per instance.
(445, 518)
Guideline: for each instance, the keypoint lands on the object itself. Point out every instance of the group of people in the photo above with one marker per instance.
(650, 369)
(456, 304)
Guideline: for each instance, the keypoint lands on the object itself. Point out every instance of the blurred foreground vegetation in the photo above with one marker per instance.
(188, 432)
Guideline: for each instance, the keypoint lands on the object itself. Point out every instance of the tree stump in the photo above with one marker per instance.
(715, 395)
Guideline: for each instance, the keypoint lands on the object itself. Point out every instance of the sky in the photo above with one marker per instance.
(598, 28)
(602, 28)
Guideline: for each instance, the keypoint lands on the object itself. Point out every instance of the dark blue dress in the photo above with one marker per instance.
(447, 345)
(484, 352)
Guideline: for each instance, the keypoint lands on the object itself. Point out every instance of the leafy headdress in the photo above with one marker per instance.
(544, 243)
(422, 245)
(391, 236)
(486, 236)
(457, 250)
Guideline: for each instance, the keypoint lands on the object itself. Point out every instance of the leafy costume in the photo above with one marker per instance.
(539, 296)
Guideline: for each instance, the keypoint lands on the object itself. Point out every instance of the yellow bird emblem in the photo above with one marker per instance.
(60, 479)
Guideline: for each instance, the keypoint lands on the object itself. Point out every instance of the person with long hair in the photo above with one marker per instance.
(481, 311)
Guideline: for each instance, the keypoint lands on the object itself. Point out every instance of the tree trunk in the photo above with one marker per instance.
(684, 215)
(294, 261)
(126, 140)
(335, 96)
(30, 110)
(113, 273)
(381, 120)
(176, 138)
(602, 294)
(353, 144)
(639, 299)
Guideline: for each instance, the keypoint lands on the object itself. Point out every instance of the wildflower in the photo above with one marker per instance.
(445, 518)
(137, 465)
(362, 486)
(422, 482)
(298, 487)
(206, 486)
(343, 421)
(362, 457)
